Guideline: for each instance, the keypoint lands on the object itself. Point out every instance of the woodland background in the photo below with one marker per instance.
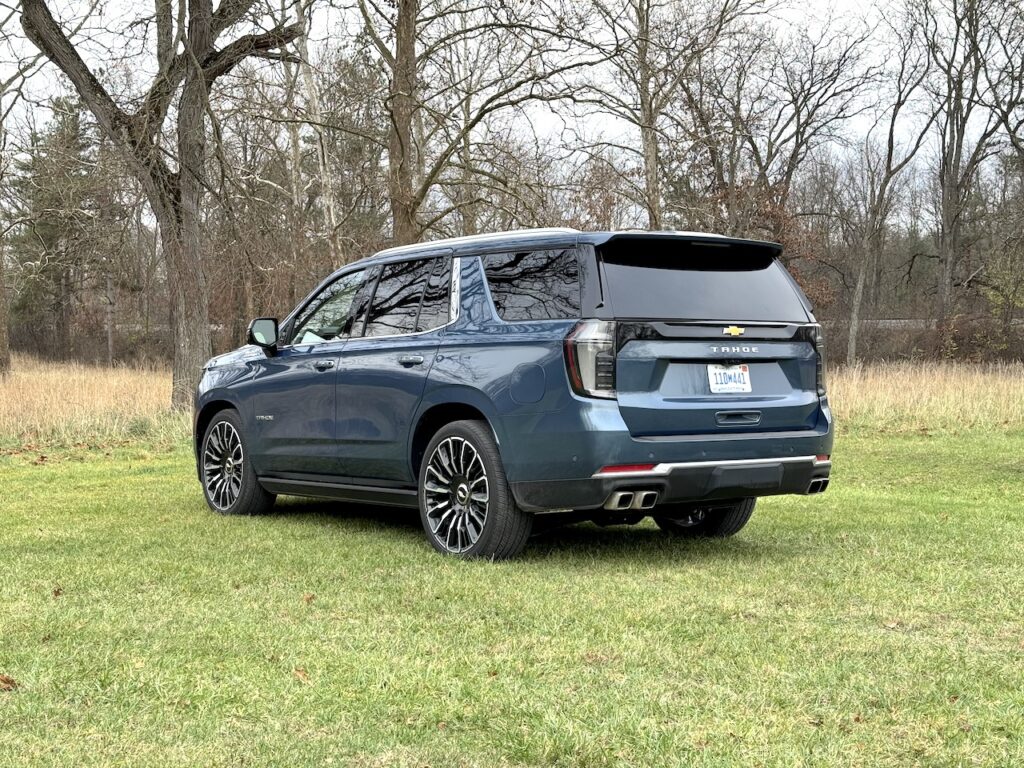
(170, 170)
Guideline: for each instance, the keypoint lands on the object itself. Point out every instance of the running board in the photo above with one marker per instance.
(359, 494)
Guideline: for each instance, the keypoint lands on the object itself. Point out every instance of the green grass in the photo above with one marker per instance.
(879, 624)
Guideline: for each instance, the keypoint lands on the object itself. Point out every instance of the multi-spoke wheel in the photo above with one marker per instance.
(223, 462)
(456, 494)
(712, 519)
(466, 506)
(229, 483)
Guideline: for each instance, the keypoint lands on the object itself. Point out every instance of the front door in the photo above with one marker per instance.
(294, 391)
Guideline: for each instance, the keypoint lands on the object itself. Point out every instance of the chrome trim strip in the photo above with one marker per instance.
(666, 468)
(455, 293)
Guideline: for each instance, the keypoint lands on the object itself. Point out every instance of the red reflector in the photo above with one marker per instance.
(626, 468)
(821, 457)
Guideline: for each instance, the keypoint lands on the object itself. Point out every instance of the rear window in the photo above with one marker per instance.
(678, 280)
(534, 285)
(396, 302)
(434, 304)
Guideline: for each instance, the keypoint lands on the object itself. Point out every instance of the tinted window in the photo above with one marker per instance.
(329, 315)
(536, 285)
(434, 308)
(666, 279)
(396, 301)
(361, 304)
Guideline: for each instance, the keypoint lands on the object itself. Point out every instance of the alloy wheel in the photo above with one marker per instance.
(223, 465)
(456, 494)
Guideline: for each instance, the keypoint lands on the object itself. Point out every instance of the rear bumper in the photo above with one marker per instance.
(681, 481)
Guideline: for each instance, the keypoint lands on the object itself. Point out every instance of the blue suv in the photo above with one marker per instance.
(497, 379)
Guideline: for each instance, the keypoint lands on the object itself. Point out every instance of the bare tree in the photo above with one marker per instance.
(958, 40)
(756, 108)
(1004, 71)
(10, 94)
(189, 61)
(430, 118)
(874, 172)
(655, 48)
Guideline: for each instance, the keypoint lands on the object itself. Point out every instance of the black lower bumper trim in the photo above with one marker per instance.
(703, 481)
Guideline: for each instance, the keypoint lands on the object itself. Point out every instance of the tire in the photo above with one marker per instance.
(695, 521)
(223, 450)
(459, 518)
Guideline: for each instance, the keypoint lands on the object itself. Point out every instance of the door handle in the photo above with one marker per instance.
(410, 360)
(323, 365)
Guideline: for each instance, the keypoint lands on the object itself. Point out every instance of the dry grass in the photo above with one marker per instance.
(67, 403)
(933, 397)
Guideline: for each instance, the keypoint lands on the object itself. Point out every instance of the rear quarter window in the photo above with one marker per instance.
(534, 285)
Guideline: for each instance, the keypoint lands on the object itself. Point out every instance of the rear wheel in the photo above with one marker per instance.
(704, 520)
(466, 506)
(229, 481)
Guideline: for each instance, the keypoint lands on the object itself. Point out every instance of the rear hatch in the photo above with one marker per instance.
(712, 336)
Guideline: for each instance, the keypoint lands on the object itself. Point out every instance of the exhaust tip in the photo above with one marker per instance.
(645, 500)
(818, 485)
(619, 501)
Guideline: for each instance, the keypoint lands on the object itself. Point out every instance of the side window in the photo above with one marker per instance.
(329, 315)
(396, 301)
(434, 307)
(535, 285)
(361, 303)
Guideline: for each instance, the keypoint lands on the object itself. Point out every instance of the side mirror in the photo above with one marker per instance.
(263, 333)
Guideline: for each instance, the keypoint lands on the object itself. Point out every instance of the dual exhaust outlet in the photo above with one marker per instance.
(620, 501)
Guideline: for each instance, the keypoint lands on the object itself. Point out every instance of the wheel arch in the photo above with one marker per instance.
(203, 419)
(436, 415)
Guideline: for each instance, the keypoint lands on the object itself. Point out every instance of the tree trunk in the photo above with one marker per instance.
(858, 299)
(949, 244)
(652, 189)
(62, 329)
(180, 225)
(110, 321)
(323, 157)
(467, 192)
(648, 118)
(296, 224)
(5, 342)
(401, 156)
(190, 324)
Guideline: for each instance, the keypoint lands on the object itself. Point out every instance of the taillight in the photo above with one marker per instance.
(819, 347)
(612, 469)
(590, 358)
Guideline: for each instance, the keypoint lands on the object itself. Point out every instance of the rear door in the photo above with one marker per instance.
(712, 338)
(384, 370)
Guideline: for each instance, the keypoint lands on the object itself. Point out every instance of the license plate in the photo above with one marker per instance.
(729, 379)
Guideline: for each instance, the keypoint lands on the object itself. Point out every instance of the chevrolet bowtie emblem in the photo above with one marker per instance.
(733, 330)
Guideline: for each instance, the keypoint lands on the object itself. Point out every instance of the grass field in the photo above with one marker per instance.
(879, 624)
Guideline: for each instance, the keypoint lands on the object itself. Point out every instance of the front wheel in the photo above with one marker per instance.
(229, 481)
(714, 520)
(466, 505)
